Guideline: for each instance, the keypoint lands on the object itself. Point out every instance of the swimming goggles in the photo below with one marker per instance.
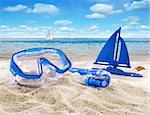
(37, 59)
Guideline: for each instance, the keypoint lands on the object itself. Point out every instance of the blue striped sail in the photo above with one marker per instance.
(114, 52)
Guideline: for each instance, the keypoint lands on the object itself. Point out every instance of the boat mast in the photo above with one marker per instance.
(49, 36)
(116, 53)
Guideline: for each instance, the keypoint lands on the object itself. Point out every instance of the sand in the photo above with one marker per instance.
(124, 96)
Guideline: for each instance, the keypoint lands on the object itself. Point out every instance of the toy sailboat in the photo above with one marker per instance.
(115, 54)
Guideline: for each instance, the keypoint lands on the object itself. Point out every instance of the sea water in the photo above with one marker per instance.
(76, 48)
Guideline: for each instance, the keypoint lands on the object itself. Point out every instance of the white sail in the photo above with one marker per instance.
(49, 35)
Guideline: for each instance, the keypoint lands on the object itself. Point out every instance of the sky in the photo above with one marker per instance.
(74, 18)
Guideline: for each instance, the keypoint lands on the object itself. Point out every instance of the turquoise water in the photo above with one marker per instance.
(76, 46)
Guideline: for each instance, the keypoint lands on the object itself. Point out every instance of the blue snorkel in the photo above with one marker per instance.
(16, 70)
(94, 77)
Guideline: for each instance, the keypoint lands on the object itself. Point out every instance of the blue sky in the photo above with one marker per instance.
(74, 18)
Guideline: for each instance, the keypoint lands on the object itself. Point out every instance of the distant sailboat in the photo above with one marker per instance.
(49, 35)
(115, 54)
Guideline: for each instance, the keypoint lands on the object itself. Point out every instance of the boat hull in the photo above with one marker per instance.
(121, 72)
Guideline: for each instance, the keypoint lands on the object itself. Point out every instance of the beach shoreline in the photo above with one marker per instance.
(86, 57)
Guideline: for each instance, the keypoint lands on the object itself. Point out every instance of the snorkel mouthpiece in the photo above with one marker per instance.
(39, 62)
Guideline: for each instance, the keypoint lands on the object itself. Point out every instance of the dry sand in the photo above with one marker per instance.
(125, 95)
